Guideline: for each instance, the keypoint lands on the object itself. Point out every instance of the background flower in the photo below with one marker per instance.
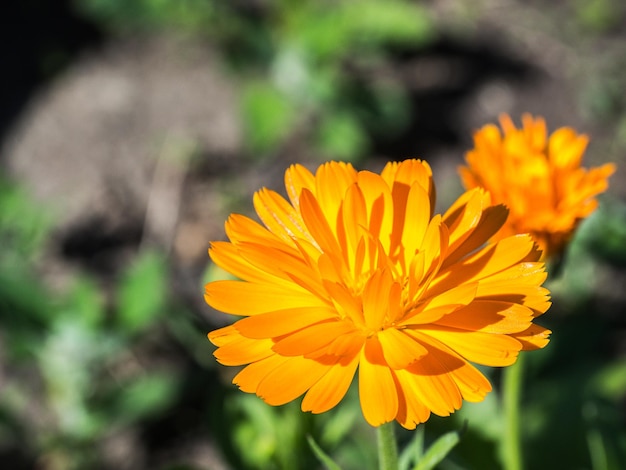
(355, 271)
(539, 178)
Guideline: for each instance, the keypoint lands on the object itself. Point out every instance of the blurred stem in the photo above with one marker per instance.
(597, 450)
(387, 447)
(511, 442)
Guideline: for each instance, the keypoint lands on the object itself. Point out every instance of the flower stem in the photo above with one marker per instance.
(512, 455)
(387, 447)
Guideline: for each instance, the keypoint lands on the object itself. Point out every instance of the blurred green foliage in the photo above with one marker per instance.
(319, 64)
(599, 15)
(309, 69)
(122, 16)
(70, 343)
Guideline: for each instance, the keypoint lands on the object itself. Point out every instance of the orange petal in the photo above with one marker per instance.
(226, 256)
(377, 388)
(491, 220)
(283, 265)
(317, 223)
(279, 216)
(353, 220)
(290, 380)
(490, 316)
(411, 411)
(332, 179)
(481, 348)
(234, 349)
(566, 148)
(240, 228)
(346, 345)
(249, 377)
(246, 298)
(378, 201)
(416, 219)
(243, 352)
(298, 177)
(429, 385)
(461, 219)
(223, 335)
(472, 385)
(375, 299)
(312, 338)
(399, 349)
(534, 337)
(281, 322)
(488, 261)
(447, 302)
(331, 388)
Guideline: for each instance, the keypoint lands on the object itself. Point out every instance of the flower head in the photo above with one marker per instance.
(539, 179)
(355, 272)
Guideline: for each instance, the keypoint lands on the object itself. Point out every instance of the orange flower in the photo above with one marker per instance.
(355, 272)
(538, 178)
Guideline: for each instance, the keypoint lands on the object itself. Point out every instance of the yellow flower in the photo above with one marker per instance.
(355, 272)
(539, 179)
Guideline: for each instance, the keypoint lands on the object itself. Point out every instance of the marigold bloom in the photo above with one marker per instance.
(355, 272)
(539, 179)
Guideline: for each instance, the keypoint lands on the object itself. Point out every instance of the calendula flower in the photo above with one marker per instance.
(355, 272)
(539, 178)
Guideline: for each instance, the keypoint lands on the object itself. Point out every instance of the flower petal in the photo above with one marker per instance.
(332, 179)
(411, 411)
(312, 338)
(375, 299)
(332, 387)
(298, 177)
(482, 348)
(534, 337)
(282, 322)
(399, 349)
(247, 298)
(434, 308)
(490, 316)
(279, 216)
(377, 387)
(290, 380)
(249, 377)
(243, 351)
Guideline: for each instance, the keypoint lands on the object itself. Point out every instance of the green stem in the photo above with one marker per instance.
(512, 455)
(387, 447)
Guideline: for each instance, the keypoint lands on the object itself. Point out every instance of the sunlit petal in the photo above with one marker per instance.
(377, 388)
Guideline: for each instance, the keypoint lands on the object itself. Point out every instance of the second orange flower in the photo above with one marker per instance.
(538, 177)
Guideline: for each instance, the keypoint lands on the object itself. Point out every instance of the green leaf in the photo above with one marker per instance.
(268, 116)
(24, 224)
(439, 450)
(610, 381)
(146, 396)
(339, 425)
(121, 15)
(329, 33)
(414, 450)
(391, 21)
(321, 455)
(341, 136)
(142, 292)
(85, 302)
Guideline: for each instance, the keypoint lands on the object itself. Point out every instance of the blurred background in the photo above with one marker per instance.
(129, 130)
